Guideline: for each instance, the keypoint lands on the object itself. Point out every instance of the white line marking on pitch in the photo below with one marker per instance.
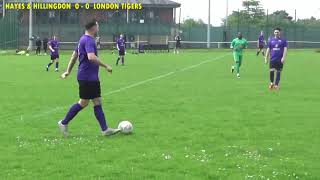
(139, 83)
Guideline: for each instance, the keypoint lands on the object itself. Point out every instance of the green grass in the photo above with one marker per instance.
(196, 123)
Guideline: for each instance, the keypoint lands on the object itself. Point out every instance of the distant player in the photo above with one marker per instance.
(45, 45)
(260, 44)
(277, 50)
(178, 44)
(121, 46)
(54, 53)
(38, 44)
(88, 79)
(238, 44)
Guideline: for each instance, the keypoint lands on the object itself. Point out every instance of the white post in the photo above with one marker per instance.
(138, 41)
(227, 13)
(174, 15)
(209, 24)
(30, 27)
(127, 12)
(3, 8)
(179, 18)
(174, 21)
(167, 40)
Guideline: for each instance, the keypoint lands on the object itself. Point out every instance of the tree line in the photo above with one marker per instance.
(252, 13)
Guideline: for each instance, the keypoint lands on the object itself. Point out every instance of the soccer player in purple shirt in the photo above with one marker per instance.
(260, 44)
(54, 53)
(88, 79)
(277, 50)
(121, 46)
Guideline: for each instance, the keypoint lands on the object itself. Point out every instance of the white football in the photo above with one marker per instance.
(125, 127)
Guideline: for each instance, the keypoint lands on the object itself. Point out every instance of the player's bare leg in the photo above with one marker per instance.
(258, 51)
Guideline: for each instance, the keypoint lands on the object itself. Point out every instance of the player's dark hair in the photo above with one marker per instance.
(90, 24)
(277, 28)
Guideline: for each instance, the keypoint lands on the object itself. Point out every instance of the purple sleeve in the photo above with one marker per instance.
(89, 46)
(269, 44)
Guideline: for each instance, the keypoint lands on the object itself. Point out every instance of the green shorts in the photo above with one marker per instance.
(237, 57)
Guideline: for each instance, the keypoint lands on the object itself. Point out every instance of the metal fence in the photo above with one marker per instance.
(14, 33)
(301, 36)
(250, 32)
(9, 31)
(14, 28)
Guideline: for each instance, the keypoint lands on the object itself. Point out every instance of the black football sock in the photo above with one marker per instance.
(118, 61)
(278, 78)
(49, 64)
(272, 77)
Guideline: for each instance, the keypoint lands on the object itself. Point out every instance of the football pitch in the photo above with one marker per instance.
(192, 119)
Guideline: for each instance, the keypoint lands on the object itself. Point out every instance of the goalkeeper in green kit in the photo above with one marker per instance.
(238, 44)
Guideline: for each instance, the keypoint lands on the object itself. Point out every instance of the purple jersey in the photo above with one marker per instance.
(87, 70)
(121, 44)
(276, 46)
(261, 40)
(55, 46)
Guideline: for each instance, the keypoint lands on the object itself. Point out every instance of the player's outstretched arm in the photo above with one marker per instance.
(71, 64)
(232, 45)
(51, 49)
(285, 51)
(93, 58)
(266, 59)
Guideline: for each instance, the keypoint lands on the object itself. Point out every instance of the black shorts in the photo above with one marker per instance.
(54, 57)
(89, 89)
(276, 65)
(122, 52)
(261, 46)
(178, 45)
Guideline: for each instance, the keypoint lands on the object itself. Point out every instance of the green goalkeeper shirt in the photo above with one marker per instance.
(238, 45)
